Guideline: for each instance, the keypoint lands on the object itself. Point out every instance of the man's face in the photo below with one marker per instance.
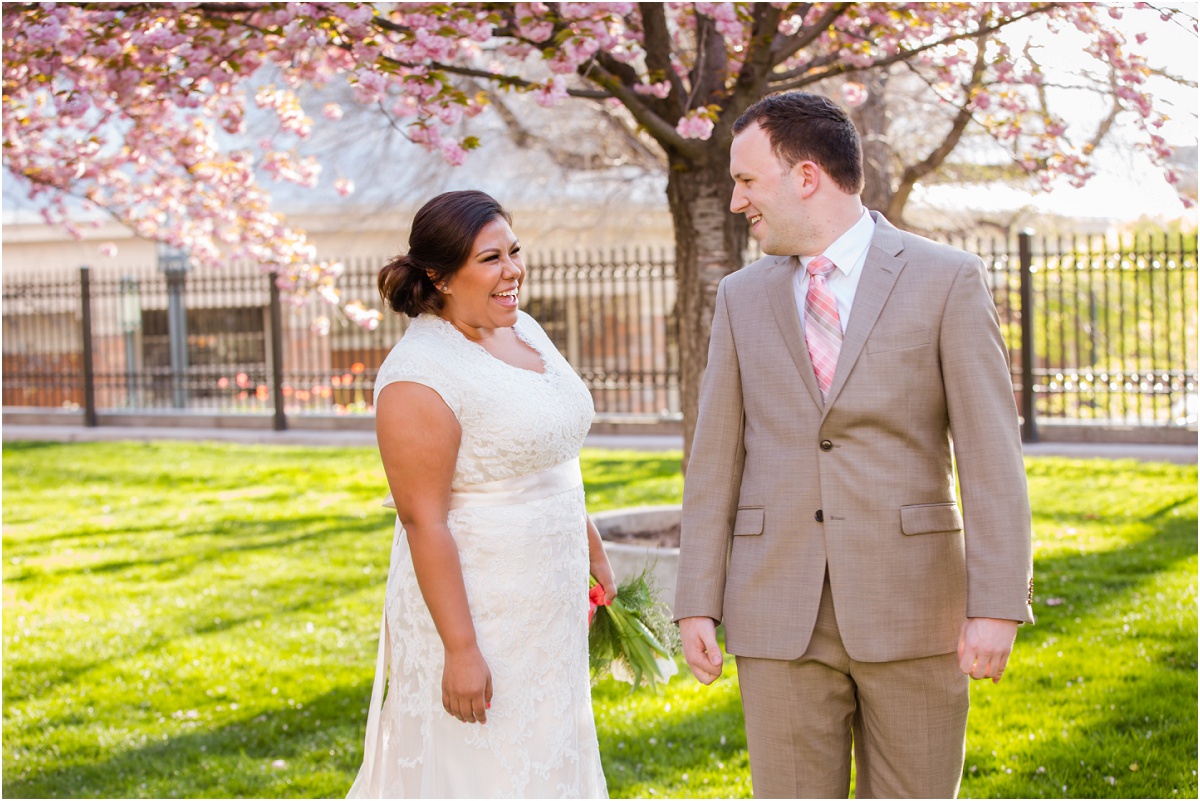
(768, 193)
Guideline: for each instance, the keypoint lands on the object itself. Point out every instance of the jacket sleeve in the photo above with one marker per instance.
(987, 451)
(714, 477)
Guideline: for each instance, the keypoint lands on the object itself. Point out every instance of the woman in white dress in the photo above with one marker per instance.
(482, 686)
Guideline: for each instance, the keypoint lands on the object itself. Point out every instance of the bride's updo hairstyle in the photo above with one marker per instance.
(443, 233)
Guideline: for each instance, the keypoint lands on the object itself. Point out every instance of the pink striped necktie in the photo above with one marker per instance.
(822, 328)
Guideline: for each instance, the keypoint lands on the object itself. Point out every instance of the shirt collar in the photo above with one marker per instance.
(847, 250)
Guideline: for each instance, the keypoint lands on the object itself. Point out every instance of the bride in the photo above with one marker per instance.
(482, 686)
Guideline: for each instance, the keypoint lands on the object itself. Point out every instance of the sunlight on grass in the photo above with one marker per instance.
(191, 619)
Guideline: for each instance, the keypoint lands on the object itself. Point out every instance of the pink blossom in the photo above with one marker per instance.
(659, 90)
(129, 108)
(551, 92)
(425, 135)
(453, 153)
(357, 313)
(407, 106)
(44, 34)
(853, 94)
(450, 113)
(360, 14)
(369, 86)
(344, 187)
(696, 125)
(538, 31)
(108, 249)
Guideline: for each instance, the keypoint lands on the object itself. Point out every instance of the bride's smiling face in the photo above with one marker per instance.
(482, 294)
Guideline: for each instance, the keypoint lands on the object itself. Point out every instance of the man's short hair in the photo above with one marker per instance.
(808, 127)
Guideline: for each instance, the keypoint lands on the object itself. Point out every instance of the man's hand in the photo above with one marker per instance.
(984, 646)
(699, 635)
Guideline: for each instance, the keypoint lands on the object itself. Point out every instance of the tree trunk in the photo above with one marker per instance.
(871, 120)
(710, 243)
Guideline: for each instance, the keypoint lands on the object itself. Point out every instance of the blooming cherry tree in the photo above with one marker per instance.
(140, 109)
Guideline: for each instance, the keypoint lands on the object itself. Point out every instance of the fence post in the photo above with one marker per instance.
(1028, 401)
(89, 367)
(176, 272)
(277, 355)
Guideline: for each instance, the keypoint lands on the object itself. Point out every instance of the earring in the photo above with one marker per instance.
(444, 287)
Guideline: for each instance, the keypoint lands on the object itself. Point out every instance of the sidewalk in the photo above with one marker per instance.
(1178, 454)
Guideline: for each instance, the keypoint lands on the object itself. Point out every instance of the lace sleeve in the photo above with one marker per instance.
(401, 366)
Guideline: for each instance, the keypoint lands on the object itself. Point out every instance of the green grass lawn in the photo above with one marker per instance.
(200, 620)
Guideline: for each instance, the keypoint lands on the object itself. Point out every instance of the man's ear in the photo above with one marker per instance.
(808, 177)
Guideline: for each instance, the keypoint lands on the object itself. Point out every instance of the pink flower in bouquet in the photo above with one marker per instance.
(596, 598)
(632, 637)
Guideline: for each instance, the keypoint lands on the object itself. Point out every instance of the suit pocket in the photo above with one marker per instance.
(884, 341)
(749, 521)
(929, 518)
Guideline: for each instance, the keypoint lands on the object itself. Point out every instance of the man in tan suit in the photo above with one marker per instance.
(819, 515)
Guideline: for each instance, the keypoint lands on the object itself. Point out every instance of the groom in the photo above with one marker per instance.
(819, 514)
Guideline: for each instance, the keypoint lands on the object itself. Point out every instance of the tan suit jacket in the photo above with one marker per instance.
(780, 485)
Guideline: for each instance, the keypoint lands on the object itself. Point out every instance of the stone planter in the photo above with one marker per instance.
(643, 536)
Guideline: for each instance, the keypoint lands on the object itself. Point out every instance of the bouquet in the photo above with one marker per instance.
(631, 636)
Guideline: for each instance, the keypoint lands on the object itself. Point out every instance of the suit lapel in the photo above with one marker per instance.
(880, 271)
(782, 297)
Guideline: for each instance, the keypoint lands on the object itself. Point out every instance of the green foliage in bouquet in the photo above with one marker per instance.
(632, 637)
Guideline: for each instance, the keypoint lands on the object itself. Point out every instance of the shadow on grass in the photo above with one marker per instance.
(685, 747)
(315, 527)
(1139, 740)
(66, 673)
(1086, 580)
(29, 446)
(162, 566)
(1129, 731)
(236, 759)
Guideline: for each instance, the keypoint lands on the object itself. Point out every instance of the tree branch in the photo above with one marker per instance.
(819, 62)
(1179, 79)
(787, 46)
(958, 126)
(657, 44)
(904, 55)
(658, 128)
(635, 152)
(504, 80)
(1114, 110)
(710, 74)
(757, 66)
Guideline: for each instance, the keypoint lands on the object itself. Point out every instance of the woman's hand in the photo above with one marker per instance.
(602, 570)
(467, 685)
(598, 561)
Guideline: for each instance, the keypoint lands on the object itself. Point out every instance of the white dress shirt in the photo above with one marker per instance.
(848, 253)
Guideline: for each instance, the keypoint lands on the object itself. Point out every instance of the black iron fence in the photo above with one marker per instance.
(163, 338)
(1112, 334)
(1112, 329)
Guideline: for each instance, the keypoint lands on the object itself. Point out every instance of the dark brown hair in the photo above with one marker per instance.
(443, 233)
(808, 127)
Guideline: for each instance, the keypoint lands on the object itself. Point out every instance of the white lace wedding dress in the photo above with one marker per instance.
(517, 515)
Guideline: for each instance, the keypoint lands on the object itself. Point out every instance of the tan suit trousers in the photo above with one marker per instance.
(907, 721)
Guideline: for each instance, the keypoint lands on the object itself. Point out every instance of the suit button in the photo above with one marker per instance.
(826, 445)
(819, 516)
